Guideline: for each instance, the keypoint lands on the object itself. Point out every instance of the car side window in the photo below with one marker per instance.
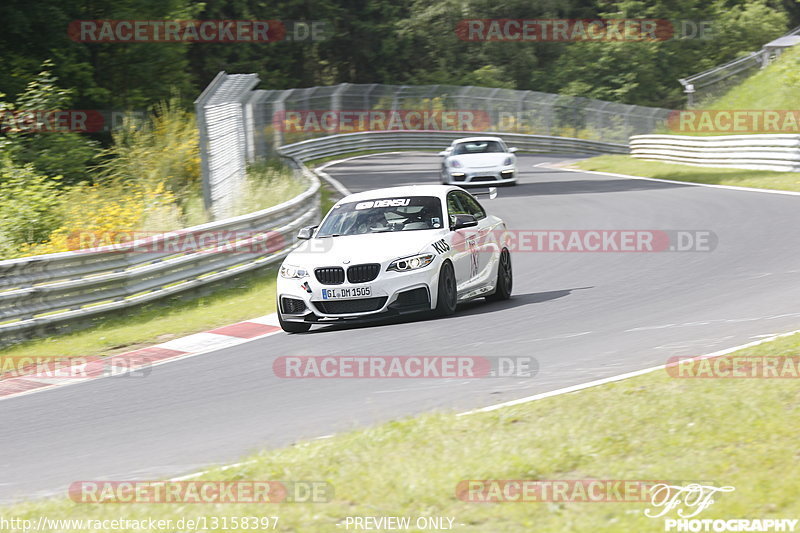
(471, 205)
(454, 205)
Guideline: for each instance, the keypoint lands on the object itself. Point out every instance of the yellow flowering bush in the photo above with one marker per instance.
(96, 215)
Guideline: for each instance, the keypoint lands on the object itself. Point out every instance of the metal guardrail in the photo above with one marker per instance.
(344, 143)
(758, 152)
(60, 292)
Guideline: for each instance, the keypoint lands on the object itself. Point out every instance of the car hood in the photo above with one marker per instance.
(492, 159)
(367, 248)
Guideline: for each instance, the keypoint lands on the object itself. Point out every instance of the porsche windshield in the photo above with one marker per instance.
(403, 213)
(477, 147)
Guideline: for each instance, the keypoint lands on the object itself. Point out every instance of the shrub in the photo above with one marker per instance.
(162, 149)
(28, 206)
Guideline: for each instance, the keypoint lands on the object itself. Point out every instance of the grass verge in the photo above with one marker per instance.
(726, 432)
(762, 179)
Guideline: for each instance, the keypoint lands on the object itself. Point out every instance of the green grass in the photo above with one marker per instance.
(738, 432)
(326, 200)
(623, 164)
(251, 296)
(775, 87)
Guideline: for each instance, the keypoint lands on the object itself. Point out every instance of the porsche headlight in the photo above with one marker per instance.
(293, 272)
(508, 161)
(404, 264)
(455, 163)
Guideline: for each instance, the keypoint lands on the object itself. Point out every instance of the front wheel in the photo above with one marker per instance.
(448, 295)
(505, 280)
(292, 327)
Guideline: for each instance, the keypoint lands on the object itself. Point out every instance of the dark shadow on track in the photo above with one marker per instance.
(478, 306)
(481, 306)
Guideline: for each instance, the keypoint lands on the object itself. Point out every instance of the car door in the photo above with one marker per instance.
(463, 242)
(481, 242)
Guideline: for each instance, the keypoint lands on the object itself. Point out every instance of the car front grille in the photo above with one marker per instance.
(363, 273)
(484, 178)
(292, 306)
(330, 275)
(339, 307)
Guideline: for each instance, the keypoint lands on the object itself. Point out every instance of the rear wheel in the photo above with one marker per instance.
(448, 295)
(505, 279)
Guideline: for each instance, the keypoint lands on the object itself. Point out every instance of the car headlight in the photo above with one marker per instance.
(455, 163)
(404, 264)
(293, 272)
(508, 161)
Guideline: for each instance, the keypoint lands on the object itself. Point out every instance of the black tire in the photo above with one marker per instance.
(448, 294)
(505, 279)
(292, 327)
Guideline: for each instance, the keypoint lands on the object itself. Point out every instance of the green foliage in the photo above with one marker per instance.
(104, 75)
(163, 148)
(28, 202)
(268, 183)
(53, 153)
(381, 41)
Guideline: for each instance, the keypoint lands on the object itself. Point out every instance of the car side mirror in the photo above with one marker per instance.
(462, 221)
(306, 233)
(444, 153)
(512, 150)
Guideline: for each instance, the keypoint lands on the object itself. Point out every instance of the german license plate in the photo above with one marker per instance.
(349, 292)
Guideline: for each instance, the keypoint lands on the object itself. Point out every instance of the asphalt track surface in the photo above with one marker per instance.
(584, 316)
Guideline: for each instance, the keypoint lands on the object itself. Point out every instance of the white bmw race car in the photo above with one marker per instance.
(483, 160)
(394, 251)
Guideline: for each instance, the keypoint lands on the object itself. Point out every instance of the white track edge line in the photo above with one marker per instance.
(729, 187)
(333, 182)
(620, 377)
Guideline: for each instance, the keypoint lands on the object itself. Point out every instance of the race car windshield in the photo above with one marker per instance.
(478, 147)
(407, 213)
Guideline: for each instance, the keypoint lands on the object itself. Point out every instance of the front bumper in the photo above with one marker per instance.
(392, 293)
(484, 176)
